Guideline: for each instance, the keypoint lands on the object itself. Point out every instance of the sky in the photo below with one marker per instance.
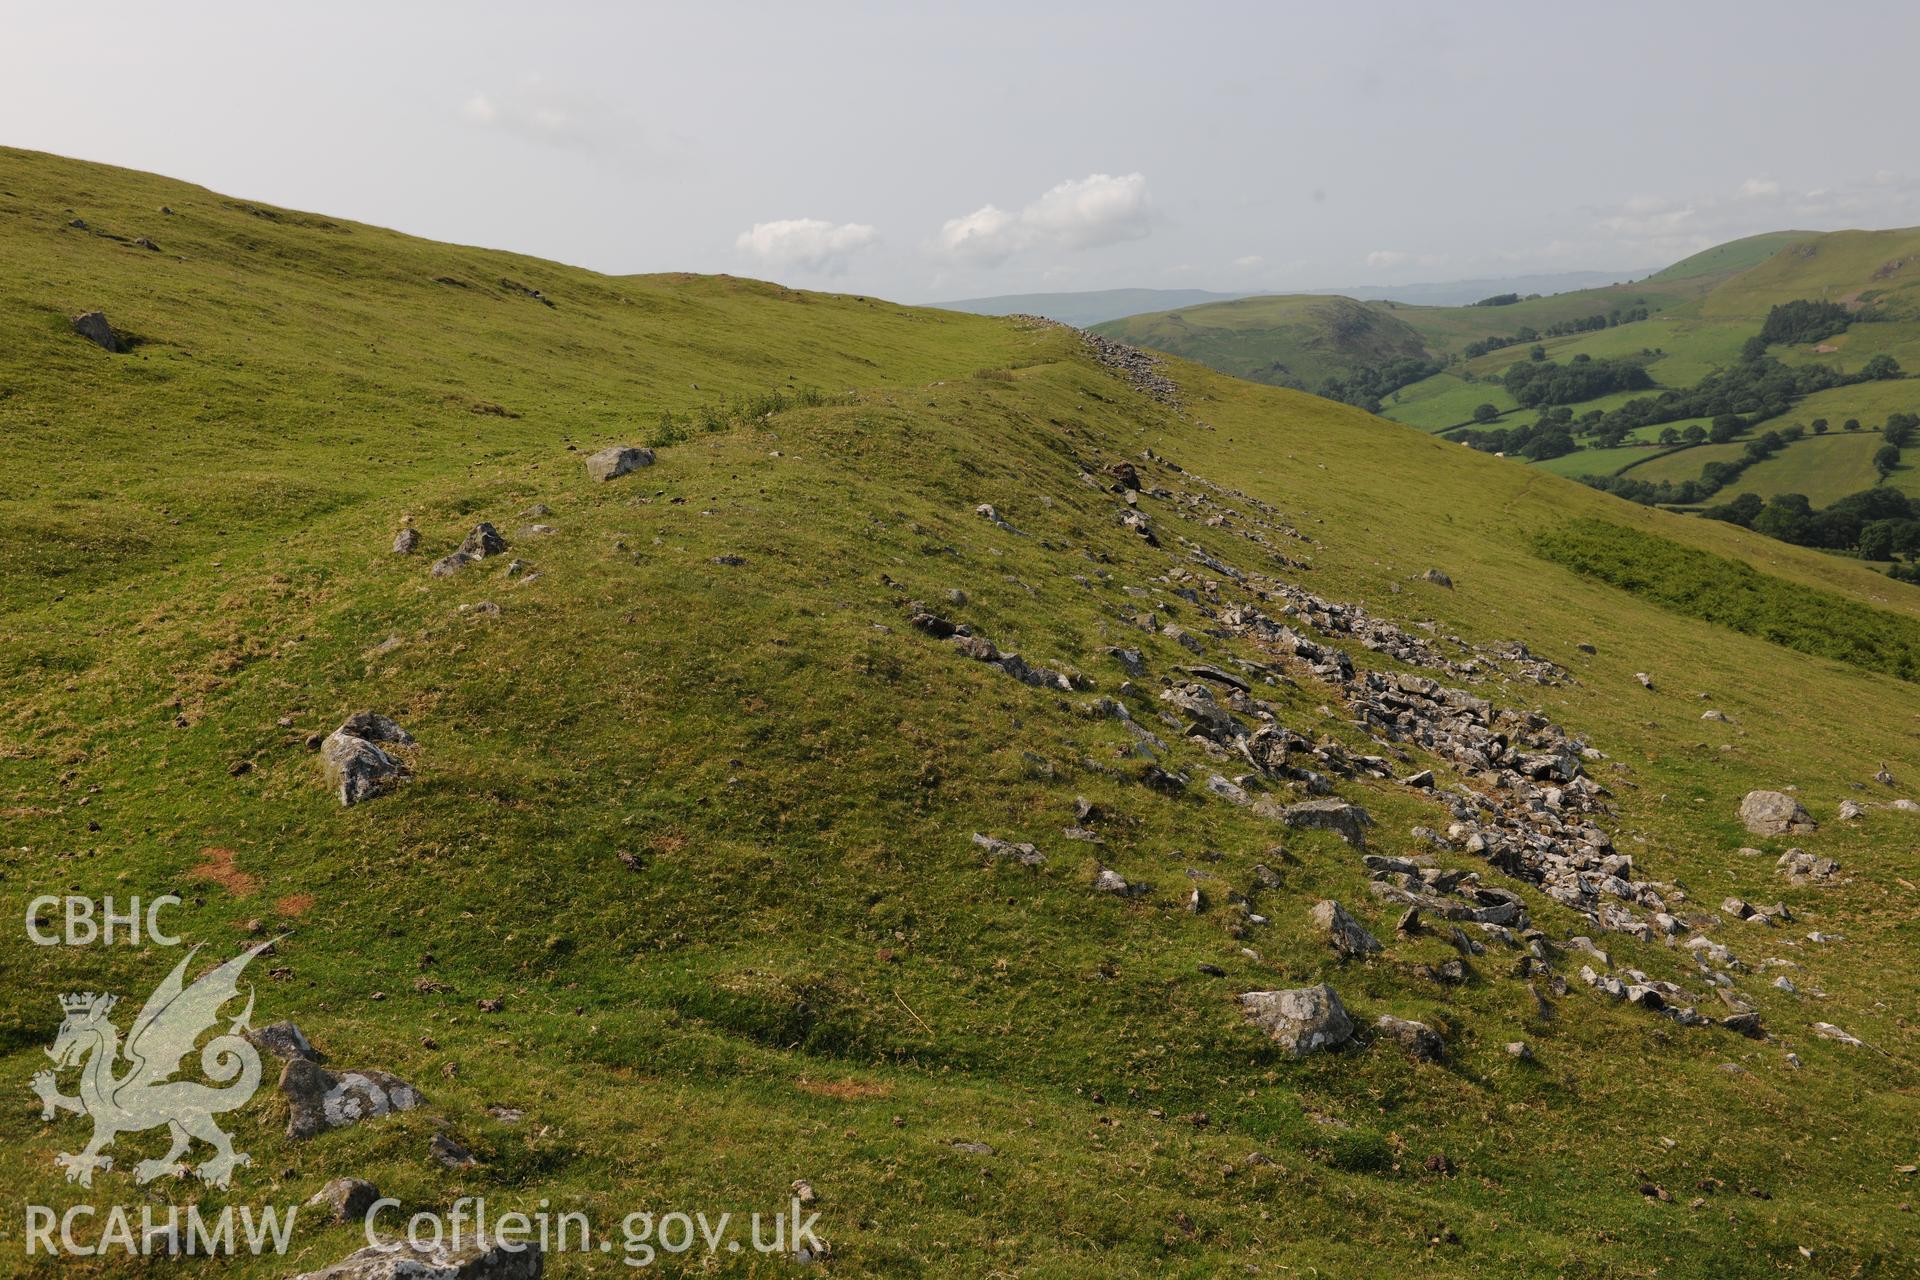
(922, 151)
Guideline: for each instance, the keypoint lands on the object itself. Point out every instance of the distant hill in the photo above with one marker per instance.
(1084, 310)
(1097, 306)
(1671, 380)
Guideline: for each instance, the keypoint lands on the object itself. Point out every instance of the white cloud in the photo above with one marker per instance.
(533, 111)
(1754, 188)
(808, 244)
(1249, 262)
(1382, 259)
(1084, 213)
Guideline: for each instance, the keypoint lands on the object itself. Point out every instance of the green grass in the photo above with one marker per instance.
(1733, 595)
(1299, 340)
(1824, 468)
(800, 968)
(1596, 462)
(1444, 400)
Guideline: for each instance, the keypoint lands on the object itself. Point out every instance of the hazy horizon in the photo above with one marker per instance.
(921, 155)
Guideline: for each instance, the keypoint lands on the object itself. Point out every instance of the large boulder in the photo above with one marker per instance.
(1348, 936)
(318, 1099)
(94, 328)
(1302, 1021)
(345, 1199)
(1774, 813)
(462, 1258)
(1348, 821)
(356, 769)
(608, 464)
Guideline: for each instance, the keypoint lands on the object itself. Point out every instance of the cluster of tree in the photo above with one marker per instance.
(1880, 524)
(1368, 387)
(1538, 382)
(1594, 323)
(1804, 321)
(1758, 388)
(1499, 300)
(1558, 329)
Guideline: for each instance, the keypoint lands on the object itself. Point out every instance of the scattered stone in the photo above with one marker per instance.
(1302, 1021)
(318, 1099)
(375, 727)
(1347, 935)
(1850, 811)
(1107, 880)
(1520, 1049)
(1417, 1038)
(284, 1041)
(1883, 777)
(1438, 578)
(1773, 813)
(448, 565)
(617, 461)
(1827, 1031)
(345, 1199)
(1716, 715)
(451, 1152)
(1799, 865)
(406, 542)
(94, 328)
(484, 541)
(1024, 854)
(1646, 681)
(356, 768)
(972, 1148)
(1349, 822)
(1746, 1023)
(472, 1257)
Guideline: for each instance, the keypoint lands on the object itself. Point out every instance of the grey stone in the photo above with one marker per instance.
(450, 1152)
(94, 328)
(1347, 935)
(1438, 578)
(1349, 822)
(406, 542)
(1773, 813)
(375, 727)
(318, 1099)
(357, 769)
(448, 565)
(1302, 1020)
(1417, 1038)
(484, 541)
(345, 1199)
(611, 463)
(460, 1258)
(284, 1041)
(1024, 854)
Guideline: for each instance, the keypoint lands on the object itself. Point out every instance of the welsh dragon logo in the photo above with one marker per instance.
(145, 1096)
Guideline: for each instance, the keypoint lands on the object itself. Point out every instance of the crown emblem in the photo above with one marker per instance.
(86, 1002)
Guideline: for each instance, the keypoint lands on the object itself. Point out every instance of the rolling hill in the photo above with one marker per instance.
(1686, 326)
(905, 785)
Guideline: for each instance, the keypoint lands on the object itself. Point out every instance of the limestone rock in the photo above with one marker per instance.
(357, 769)
(318, 1099)
(1438, 578)
(284, 1041)
(1348, 936)
(1349, 822)
(406, 542)
(484, 541)
(94, 328)
(1773, 813)
(461, 1258)
(609, 464)
(345, 1199)
(1303, 1020)
(1417, 1038)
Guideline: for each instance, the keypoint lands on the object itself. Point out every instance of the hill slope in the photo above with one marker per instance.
(681, 903)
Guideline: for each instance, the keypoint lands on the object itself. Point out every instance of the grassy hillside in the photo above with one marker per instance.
(1085, 308)
(1294, 340)
(683, 872)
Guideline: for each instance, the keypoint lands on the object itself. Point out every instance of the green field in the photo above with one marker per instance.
(1824, 468)
(1444, 400)
(679, 904)
(1597, 462)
